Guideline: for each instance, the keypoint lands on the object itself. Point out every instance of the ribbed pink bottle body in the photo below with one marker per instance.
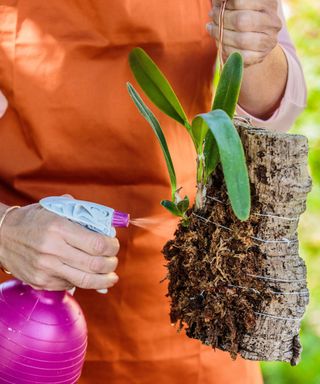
(43, 336)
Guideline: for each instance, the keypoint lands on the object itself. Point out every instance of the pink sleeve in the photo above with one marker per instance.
(294, 99)
(3, 104)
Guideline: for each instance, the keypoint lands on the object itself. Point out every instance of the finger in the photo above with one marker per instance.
(89, 242)
(251, 5)
(252, 41)
(244, 21)
(44, 279)
(249, 57)
(53, 285)
(88, 263)
(67, 254)
(86, 280)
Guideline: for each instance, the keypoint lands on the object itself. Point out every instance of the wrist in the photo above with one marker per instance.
(267, 80)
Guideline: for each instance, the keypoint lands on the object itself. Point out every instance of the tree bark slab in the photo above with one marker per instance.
(241, 286)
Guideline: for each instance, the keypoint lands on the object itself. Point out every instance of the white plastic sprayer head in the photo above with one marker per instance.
(95, 217)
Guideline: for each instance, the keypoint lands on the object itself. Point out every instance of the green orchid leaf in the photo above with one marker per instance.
(171, 207)
(154, 123)
(199, 132)
(229, 85)
(226, 98)
(156, 86)
(232, 159)
(183, 205)
(211, 155)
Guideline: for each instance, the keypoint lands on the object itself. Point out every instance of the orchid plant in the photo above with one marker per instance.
(214, 135)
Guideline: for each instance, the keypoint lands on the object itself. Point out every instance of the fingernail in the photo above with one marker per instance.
(209, 26)
(115, 279)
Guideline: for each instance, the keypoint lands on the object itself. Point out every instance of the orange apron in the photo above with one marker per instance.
(71, 128)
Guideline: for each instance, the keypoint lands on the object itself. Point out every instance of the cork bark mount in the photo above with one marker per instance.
(241, 286)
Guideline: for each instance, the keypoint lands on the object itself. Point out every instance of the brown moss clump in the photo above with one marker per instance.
(212, 293)
(241, 286)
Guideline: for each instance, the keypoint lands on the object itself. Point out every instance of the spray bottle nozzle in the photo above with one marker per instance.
(95, 217)
(120, 219)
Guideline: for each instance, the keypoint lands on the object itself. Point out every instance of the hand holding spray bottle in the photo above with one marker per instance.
(43, 334)
(96, 217)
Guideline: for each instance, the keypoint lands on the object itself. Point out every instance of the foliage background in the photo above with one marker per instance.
(304, 25)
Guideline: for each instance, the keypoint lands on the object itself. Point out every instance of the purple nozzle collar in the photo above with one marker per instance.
(120, 219)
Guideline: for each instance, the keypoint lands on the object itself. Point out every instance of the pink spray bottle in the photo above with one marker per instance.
(43, 334)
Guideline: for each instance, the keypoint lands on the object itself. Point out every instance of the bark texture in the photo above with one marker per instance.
(241, 286)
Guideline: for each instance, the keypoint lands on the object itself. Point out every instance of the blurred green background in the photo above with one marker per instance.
(304, 25)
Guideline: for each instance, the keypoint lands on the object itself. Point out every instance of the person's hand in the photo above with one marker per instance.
(250, 27)
(50, 252)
